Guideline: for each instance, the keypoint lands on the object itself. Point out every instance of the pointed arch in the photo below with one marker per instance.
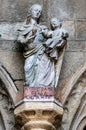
(79, 119)
(3, 118)
(8, 83)
(74, 101)
(73, 81)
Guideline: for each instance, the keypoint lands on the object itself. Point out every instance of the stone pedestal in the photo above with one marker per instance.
(43, 113)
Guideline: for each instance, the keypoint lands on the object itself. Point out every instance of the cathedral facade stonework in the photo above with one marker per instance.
(72, 79)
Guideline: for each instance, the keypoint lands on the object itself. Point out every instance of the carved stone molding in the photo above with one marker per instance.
(8, 93)
(38, 115)
(69, 85)
(6, 110)
(9, 85)
(75, 103)
(82, 125)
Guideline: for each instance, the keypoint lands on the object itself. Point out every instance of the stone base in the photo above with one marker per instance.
(39, 94)
(38, 109)
(38, 115)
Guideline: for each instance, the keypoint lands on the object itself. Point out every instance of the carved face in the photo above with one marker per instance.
(55, 23)
(44, 28)
(36, 11)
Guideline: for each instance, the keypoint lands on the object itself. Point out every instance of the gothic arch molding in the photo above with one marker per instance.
(74, 117)
(73, 81)
(3, 117)
(82, 125)
(79, 119)
(8, 83)
(6, 109)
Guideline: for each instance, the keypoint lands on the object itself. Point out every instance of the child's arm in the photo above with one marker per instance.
(65, 34)
(46, 33)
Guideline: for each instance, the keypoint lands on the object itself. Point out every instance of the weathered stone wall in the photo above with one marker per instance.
(12, 14)
(73, 15)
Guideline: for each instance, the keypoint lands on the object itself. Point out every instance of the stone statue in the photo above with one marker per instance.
(56, 38)
(40, 48)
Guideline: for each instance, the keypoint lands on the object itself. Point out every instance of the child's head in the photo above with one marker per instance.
(44, 29)
(55, 23)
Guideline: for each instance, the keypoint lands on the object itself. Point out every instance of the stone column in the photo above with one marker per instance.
(37, 109)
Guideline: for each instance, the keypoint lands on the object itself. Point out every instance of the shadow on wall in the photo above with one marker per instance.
(1, 124)
(84, 128)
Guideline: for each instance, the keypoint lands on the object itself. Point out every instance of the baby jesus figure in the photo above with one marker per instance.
(56, 38)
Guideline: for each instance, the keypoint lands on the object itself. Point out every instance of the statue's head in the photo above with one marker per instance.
(44, 30)
(55, 23)
(36, 11)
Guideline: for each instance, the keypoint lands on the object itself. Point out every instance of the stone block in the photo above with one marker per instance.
(70, 27)
(61, 9)
(72, 61)
(8, 31)
(13, 62)
(9, 45)
(11, 58)
(80, 9)
(81, 30)
(75, 46)
(11, 10)
(67, 9)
